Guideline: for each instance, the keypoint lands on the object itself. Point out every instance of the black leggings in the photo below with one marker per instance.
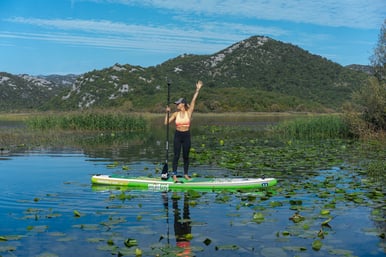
(181, 140)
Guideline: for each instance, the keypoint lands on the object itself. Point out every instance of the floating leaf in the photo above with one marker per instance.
(65, 239)
(296, 202)
(273, 252)
(138, 252)
(95, 240)
(340, 252)
(325, 212)
(38, 229)
(77, 213)
(275, 204)
(296, 218)
(325, 223)
(57, 234)
(317, 245)
(112, 165)
(130, 242)
(88, 227)
(226, 247)
(285, 233)
(295, 248)
(258, 217)
(321, 234)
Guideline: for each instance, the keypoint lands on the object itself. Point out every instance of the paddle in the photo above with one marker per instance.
(165, 169)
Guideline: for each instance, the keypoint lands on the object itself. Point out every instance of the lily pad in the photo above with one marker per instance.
(77, 213)
(325, 223)
(296, 218)
(226, 247)
(258, 217)
(317, 245)
(95, 239)
(130, 242)
(273, 252)
(295, 248)
(341, 252)
(275, 204)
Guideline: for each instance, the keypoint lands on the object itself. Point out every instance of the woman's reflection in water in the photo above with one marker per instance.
(182, 223)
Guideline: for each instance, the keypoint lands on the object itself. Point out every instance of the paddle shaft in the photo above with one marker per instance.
(167, 126)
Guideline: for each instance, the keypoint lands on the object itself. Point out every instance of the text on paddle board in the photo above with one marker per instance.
(158, 187)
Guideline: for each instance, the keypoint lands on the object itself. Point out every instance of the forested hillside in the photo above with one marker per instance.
(24, 92)
(256, 74)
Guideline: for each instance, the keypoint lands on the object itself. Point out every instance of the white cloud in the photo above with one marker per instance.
(166, 45)
(364, 14)
(209, 37)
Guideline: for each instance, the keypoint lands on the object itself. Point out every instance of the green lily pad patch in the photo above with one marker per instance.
(226, 247)
(95, 239)
(341, 252)
(317, 245)
(295, 248)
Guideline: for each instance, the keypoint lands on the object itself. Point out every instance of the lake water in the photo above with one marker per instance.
(48, 207)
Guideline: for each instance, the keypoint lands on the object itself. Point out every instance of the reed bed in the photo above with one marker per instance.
(314, 127)
(88, 122)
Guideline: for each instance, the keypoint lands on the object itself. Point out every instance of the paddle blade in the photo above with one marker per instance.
(165, 172)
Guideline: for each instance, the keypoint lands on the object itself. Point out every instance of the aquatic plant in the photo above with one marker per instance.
(314, 127)
(95, 121)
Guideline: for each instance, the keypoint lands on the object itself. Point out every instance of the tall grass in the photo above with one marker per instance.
(314, 127)
(88, 121)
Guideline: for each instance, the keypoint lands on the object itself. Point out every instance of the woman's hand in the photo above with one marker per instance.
(167, 109)
(199, 85)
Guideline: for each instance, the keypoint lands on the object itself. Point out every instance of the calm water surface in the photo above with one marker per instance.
(49, 208)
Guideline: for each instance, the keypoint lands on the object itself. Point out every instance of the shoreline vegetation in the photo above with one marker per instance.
(296, 125)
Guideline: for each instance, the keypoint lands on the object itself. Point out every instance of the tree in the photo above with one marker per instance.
(378, 59)
(372, 101)
(371, 98)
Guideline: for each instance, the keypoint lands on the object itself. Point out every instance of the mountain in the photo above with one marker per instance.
(363, 68)
(256, 74)
(25, 92)
(60, 80)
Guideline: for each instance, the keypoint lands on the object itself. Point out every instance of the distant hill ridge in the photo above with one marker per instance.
(25, 92)
(256, 74)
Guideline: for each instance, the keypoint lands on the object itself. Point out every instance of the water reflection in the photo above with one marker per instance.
(182, 222)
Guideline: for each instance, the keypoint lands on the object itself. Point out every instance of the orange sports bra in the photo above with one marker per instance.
(182, 121)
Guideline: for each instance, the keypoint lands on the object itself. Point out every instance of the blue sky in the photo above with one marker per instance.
(77, 36)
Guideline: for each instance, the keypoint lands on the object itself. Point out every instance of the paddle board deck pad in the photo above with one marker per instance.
(159, 184)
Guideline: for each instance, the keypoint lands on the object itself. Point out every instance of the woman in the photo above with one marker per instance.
(182, 118)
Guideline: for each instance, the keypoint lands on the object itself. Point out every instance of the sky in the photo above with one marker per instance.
(42, 37)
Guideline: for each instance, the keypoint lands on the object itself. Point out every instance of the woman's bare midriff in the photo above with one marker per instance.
(182, 129)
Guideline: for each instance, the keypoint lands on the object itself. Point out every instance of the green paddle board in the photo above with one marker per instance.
(158, 184)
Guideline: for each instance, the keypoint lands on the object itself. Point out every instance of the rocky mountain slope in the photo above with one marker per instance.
(256, 74)
(29, 92)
